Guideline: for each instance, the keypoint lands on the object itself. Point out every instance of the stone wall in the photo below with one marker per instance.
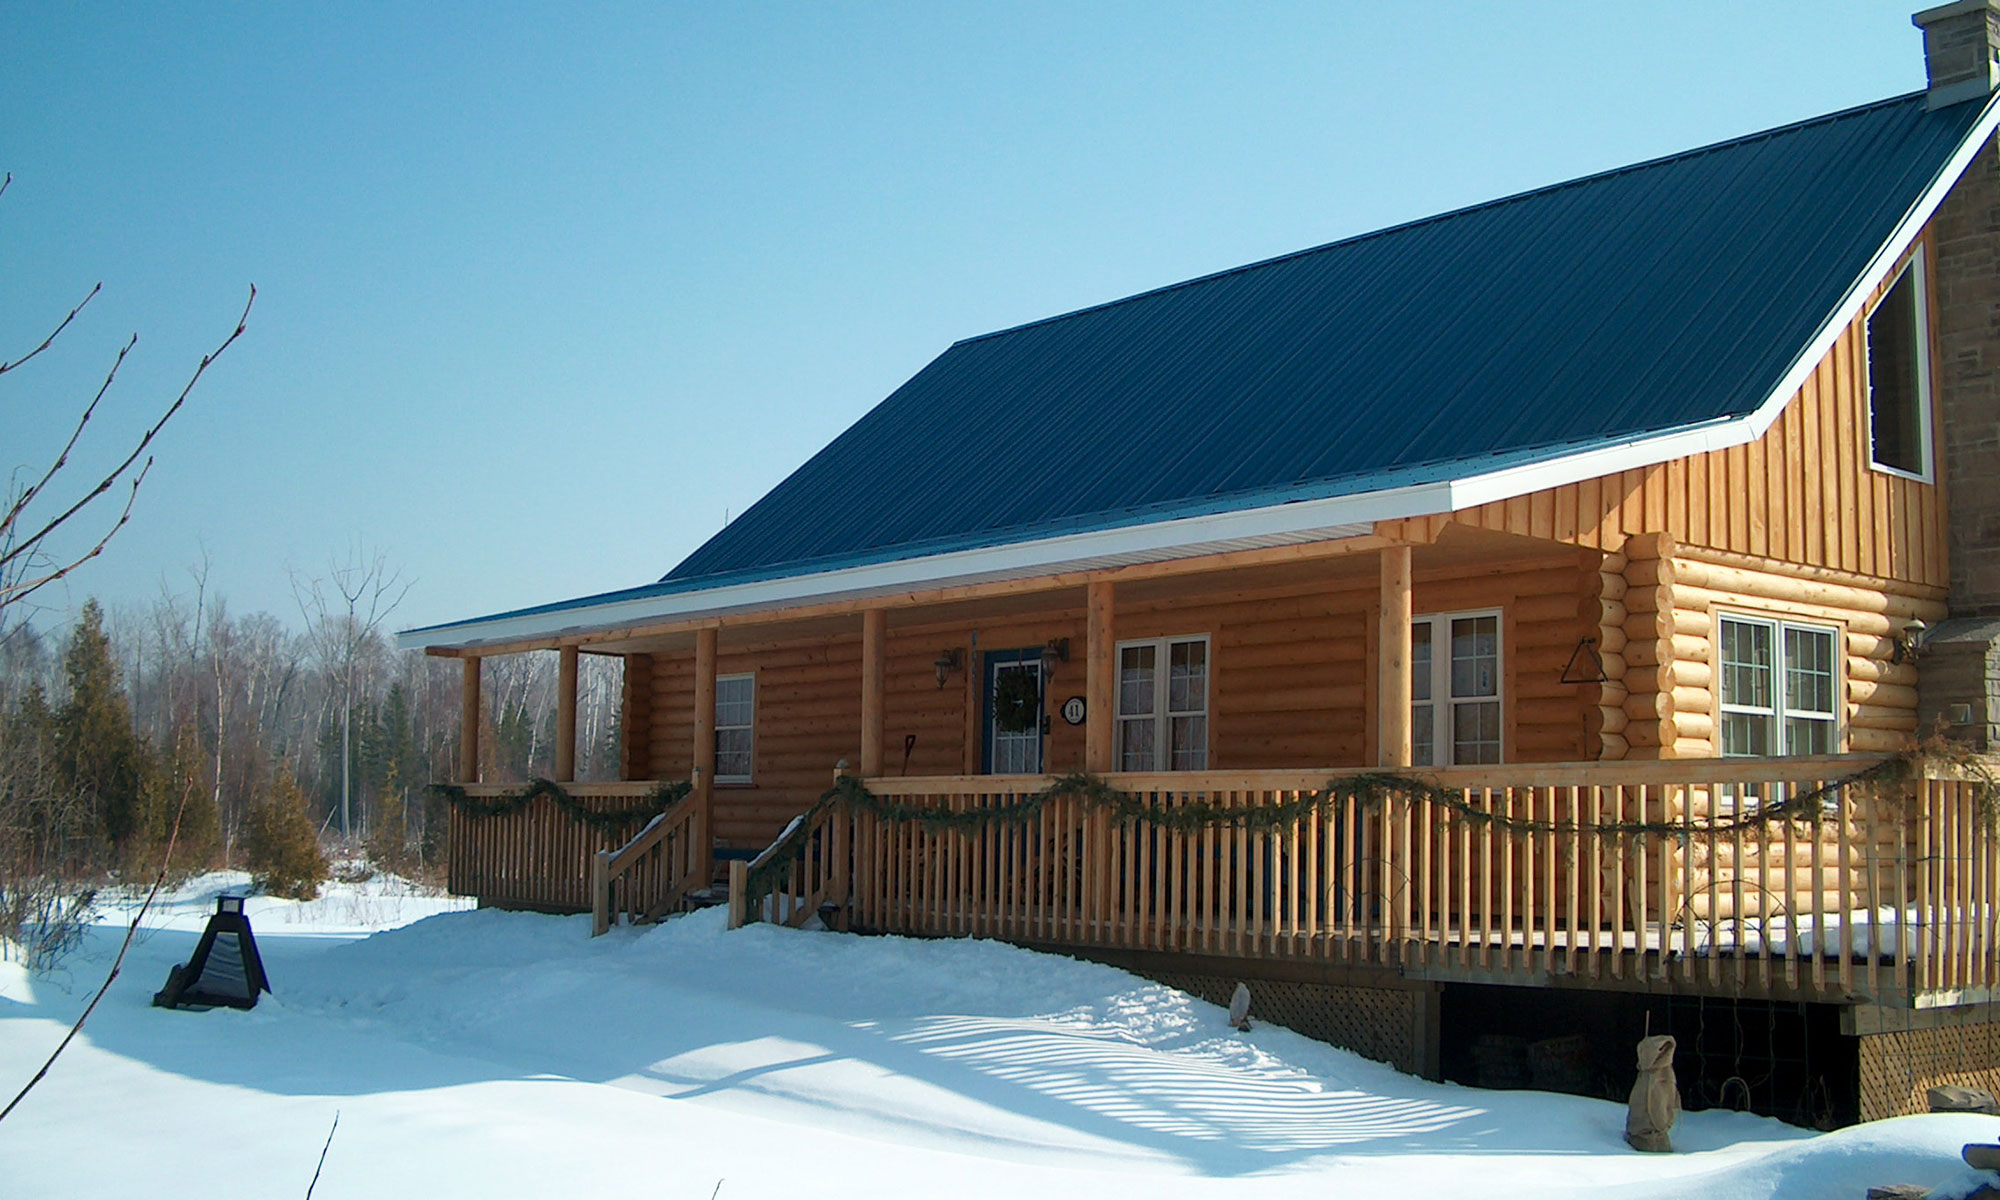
(1966, 239)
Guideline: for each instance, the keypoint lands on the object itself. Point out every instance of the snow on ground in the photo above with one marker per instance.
(481, 1053)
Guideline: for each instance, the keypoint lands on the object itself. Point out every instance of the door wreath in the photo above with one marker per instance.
(1017, 701)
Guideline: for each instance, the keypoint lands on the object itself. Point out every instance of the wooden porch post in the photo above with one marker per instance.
(874, 628)
(1393, 660)
(566, 715)
(468, 723)
(1099, 682)
(704, 708)
(704, 746)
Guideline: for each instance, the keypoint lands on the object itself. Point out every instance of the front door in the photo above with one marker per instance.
(1016, 750)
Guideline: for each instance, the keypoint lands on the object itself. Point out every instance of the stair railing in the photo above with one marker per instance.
(647, 876)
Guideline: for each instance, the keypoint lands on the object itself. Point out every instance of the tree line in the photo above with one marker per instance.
(111, 727)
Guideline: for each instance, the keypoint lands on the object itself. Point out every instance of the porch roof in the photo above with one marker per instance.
(1614, 321)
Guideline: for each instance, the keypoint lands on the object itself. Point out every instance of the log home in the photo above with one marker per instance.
(1615, 511)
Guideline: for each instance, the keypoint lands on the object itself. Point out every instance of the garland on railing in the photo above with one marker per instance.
(659, 800)
(1370, 790)
(1367, 792)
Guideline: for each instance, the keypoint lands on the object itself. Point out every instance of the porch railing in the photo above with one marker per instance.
(537, 857)
(1890, 885)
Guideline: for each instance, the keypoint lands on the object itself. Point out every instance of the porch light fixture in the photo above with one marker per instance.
(1056, 651)
(1909, 643)
(947, 662)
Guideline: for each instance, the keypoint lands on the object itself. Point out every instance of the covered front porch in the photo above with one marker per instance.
(1538, 691)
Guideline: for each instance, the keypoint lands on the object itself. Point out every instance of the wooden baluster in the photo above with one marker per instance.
(1596, 877)
(1642, 923)
(1571, 841)
(1551, 906)
(1487, 879)
(1792, 902)
(1844, 813)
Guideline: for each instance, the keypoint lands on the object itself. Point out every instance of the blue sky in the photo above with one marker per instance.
(545, 292)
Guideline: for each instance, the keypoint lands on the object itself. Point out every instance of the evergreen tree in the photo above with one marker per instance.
(98, 757)
(280, 845)
(173, 789)
(389, 837)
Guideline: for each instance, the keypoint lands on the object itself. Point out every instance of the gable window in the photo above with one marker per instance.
(1455, 688)
(735, 715)
(1899, 409)
(1163, 704)
(1778, 687)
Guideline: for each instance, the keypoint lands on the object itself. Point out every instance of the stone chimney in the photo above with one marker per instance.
(1961, 46)
(1959, 675)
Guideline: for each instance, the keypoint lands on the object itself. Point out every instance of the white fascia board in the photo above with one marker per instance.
(1339, 516)
(1160, 540)
(1885, 260)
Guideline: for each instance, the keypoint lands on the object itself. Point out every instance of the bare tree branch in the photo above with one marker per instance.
(322, 1154)
(28, 494)
(50, 340)
(9, 593)
(15, 549)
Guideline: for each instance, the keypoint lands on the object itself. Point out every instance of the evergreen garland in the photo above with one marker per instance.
(1369, 790)
(663, 797)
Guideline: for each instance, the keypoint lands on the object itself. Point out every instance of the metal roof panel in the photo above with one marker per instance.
(1649, 298)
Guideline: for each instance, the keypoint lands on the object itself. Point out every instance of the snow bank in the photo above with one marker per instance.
(482, 1053)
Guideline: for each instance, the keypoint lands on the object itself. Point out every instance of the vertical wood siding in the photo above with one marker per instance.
(1803, 494)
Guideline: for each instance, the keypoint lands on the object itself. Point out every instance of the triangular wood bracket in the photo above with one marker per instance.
(1573, 671)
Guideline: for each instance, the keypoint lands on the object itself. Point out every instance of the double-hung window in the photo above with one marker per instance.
(1163, 704)
(1779, 686)
(735, 718)
(1455, 688)
(1899, 407)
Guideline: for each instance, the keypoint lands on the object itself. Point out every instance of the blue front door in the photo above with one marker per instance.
(1013, 752)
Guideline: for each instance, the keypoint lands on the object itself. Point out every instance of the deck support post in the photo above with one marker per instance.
(1100, 681)
(703, 775)
(1392, 673)
(566, 715)
(468, 723)
(874, 631)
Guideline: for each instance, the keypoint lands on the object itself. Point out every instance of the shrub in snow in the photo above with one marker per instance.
(280, 844)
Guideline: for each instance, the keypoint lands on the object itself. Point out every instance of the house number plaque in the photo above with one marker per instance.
(1073, 709)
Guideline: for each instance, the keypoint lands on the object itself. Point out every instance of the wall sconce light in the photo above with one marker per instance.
(947, 662)
(1056, 651)
(1909, 643)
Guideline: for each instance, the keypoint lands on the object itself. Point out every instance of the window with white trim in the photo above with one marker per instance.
(1899, 401)
(1455, 688)
(735, 716)
(1163, 704)
(1779, 683)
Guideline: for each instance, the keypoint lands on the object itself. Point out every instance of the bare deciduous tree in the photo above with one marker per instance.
(344, 611)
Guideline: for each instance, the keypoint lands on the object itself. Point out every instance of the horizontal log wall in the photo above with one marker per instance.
(1804, 493)
(1292, 676)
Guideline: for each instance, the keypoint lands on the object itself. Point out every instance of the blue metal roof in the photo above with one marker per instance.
(1649, 298)
(1656, 297)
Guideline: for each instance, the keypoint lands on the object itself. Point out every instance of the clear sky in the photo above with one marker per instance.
(546, 292)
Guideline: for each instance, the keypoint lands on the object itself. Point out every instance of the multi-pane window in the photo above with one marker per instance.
(1455, 689)
(1163, 704)
(1898, 377)
(735, 714)
(1778, 687)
